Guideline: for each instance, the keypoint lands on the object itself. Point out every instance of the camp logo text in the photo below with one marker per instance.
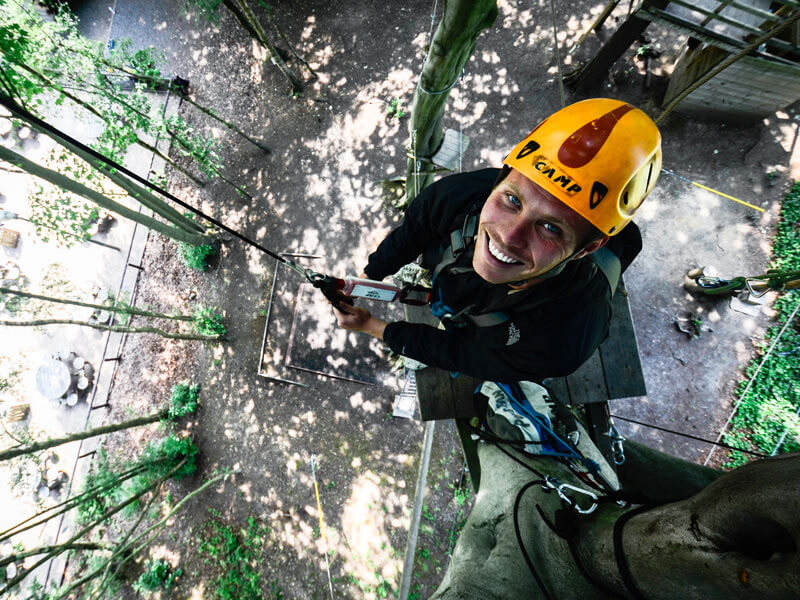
(556, 175)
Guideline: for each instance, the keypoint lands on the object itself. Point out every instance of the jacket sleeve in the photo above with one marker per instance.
(428, 218)
(553, 348)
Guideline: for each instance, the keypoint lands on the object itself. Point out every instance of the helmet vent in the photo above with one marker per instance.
(625, 198)
(649, 174)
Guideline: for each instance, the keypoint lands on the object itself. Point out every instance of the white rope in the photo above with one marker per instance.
(752, 379)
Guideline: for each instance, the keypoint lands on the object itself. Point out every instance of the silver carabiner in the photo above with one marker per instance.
(551, 483)
(575, 505)
(616, 445)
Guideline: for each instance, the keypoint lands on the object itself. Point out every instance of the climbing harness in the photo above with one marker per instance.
(334, 289)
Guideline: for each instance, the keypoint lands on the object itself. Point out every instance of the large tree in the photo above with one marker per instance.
(703, 534)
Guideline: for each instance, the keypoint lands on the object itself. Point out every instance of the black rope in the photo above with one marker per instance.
(619, 554)
(691, 437)
(566, 527)
(527, 558)
(9, 103)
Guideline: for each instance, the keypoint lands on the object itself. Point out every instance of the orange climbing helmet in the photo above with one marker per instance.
(601, 157)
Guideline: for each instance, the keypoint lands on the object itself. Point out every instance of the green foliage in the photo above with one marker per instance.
(769, 410)
(183, 399)
(235, 556)
(208, 322)
(165, 454)
(207, 9)
(158, 575)
(196, 257)
(104, 480)
(395, 110)
(42, 55)
(61, 216)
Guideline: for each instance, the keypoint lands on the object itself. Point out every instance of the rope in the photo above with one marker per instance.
(447, 89)
(687, 435)
(712, 190)
(753, 378)
(619, 553)
(726, 63)
(322, 526)
(558, 56)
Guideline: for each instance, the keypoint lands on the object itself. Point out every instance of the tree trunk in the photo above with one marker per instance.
(106, 515)
(115, 328)
(451, 47)
(70, 185)
(736, 538)
(128, 310)
(249, 21)
(150, 148)
(126, 547)
(82, 435)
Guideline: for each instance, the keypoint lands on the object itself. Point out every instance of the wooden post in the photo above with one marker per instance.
(596, 69)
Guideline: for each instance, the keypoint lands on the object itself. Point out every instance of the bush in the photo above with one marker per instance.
(196, 257)
(183, 400)
(208, 322)
(158, 575)
(767, 415)
(165, 454)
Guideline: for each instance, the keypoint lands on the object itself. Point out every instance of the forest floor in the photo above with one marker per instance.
(317, 192)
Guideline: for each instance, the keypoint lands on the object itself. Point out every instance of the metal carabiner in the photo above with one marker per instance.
(551, 483)
(575, 505)
(616, 445)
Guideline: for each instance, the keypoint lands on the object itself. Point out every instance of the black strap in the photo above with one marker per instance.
(619, 554)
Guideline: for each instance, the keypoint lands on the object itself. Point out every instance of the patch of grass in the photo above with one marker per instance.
(196, 257)
(158, 575)
(236, 556)
(768, 415)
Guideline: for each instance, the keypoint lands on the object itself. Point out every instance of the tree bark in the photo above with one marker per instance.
(82, 435)
(736, 538)
(114, 328)
(451, 47)
(128, 310)
(249, 21)
(70, 185)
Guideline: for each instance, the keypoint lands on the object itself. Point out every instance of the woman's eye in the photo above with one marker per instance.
(513, 200)
(551, 228)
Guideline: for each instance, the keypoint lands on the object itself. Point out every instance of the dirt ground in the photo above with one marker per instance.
(317, 192)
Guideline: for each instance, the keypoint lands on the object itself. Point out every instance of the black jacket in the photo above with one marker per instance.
(554, 326)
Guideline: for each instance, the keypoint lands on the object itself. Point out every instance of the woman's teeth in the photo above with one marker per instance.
(495, 251)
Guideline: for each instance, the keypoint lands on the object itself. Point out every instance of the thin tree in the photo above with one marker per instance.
(179, 229)
(53, 57)
(183, 401)
(248, 19)
(451, 47)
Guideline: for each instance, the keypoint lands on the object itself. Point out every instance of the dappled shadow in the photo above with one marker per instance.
(317, 192)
